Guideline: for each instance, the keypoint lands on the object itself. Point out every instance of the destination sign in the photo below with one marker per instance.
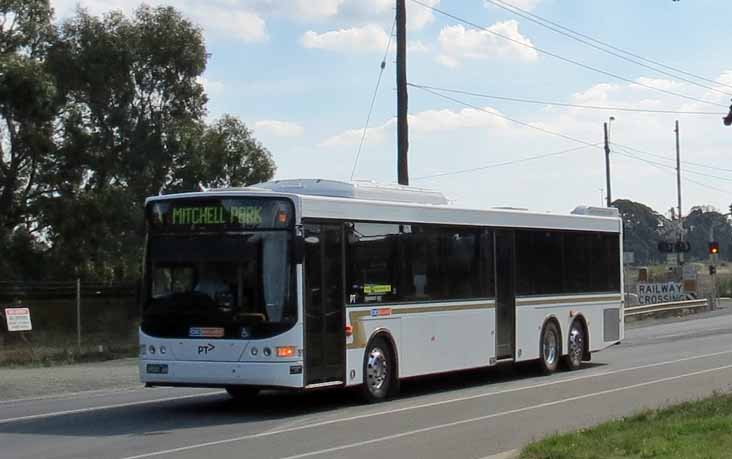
(231, 214)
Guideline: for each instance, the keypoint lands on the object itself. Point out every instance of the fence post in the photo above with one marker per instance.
(78, 314)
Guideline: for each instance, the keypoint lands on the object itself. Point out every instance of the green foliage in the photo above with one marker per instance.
(641, 226)
(98, 114)
(700, 429)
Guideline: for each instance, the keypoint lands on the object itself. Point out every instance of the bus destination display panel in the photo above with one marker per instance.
(227, 214)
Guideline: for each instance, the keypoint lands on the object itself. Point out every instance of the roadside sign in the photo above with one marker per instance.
(660, 292)
(690, 272)
(18, 319)
(628, 258)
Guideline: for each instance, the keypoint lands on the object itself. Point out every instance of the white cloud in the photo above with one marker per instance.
(219, 18)
(222, 23)
(370, 37)
(428, 121)
(317, 8)
(458, 43)
(523, 4)
(279, 128)
(657, 83)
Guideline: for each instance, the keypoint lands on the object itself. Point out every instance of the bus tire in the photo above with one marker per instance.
(550, 348)
(575, 346)
(242, 393)
(379, 371)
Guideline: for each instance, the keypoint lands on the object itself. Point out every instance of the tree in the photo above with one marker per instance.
(98, 114)
(641, 226)
(227, 155)
(27, 107)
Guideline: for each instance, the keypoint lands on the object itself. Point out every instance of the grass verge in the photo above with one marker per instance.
(701, 429)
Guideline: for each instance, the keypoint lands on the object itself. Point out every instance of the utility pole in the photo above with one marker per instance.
(679, 256)
(402, 104)
(607, 168)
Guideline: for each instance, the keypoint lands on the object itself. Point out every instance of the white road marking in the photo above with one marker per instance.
(71, 395)
(106, 407)
(416, 407)
(504, 413)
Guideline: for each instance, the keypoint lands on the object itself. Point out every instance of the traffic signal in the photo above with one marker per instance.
(728, 119)
(713, 248)
(712, 270)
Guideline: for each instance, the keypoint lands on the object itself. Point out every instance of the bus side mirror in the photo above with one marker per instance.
(298, 249)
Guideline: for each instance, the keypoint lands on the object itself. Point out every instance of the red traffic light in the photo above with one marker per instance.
(713, 248)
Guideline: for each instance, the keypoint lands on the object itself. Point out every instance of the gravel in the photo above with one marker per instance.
(18, 383)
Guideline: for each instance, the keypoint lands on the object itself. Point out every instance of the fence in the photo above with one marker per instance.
(71, 320)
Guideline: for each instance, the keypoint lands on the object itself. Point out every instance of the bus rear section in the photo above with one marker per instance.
(220, 305)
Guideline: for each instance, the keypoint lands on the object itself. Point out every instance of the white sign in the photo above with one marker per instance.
(628, 258)
(660, 293)
(18, 319)
(690, 272)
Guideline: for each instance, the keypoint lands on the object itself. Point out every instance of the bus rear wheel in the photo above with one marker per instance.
(379, 371)
(549, 348)
(242, 393)
(575, 346)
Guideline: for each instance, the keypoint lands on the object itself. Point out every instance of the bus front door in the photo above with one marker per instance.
(505, 293)
(324, 304)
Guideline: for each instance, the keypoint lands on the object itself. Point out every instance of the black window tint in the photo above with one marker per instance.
(539, 262)
(391, 263)
(605, 268)
(577, 262)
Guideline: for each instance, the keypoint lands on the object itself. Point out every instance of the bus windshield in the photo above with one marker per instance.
(222, 284)
(241, 285)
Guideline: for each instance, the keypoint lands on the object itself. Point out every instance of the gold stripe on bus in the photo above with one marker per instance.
(575, 300)
(359, 333)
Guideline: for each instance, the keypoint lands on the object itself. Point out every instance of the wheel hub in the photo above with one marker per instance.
(376, 369)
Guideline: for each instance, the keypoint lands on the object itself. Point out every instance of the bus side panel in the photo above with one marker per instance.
(530, 319)
(445, 341)
(427, 342)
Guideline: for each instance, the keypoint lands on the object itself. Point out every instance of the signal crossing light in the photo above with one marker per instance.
(713, 248)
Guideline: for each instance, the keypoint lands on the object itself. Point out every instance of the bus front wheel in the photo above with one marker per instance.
(379, 371)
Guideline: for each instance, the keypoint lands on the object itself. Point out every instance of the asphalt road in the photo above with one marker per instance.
(472, 414)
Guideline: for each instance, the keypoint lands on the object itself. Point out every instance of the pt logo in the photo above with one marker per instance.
(206, 349)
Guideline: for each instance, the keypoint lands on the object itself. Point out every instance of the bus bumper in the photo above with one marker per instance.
(221, 374)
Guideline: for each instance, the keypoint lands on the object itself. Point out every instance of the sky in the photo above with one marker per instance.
(301, 74)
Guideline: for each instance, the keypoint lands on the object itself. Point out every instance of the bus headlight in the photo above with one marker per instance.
(163, 350)
(267, 351)
(151, 350)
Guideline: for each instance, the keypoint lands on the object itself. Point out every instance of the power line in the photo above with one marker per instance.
(563, 104)
(508, 118)
(574, 35)
(691, 163)
(702, 174)
(501, 164)
(558, 134)
(373, 100)
(661, 167)
(562, 58)
(629, 53)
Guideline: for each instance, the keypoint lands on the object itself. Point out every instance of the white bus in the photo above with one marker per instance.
(305, 284)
